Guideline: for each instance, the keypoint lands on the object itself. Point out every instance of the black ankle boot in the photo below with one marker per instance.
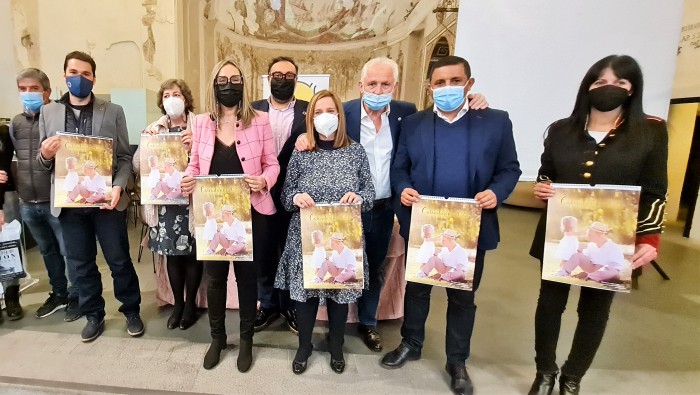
(245, 356)
(569, 385)
(12, 306)
(213, 355)
(543, 384)
(176, 316)
(189, 316)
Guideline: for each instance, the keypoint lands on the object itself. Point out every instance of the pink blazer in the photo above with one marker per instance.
(256, 150)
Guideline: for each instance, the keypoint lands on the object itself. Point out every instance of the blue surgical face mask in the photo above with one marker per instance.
(79, 86)
(32, 100)
(448, 98)
(376, 102)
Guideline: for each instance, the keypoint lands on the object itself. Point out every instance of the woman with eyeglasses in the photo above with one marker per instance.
(233, 138)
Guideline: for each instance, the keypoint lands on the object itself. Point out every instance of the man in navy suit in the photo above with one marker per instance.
(288, 121)
(375, 121)
(451, 151)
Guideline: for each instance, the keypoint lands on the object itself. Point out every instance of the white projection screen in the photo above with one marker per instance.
(528, 57)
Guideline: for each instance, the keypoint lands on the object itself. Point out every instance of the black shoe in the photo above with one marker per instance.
(245, 356)
(72, 311)
(398, 357)
(134, 325)
(569, 385)
(175, 316)
(213, 355)
(264, 318)
(299, 367)
(371, 338)
(52, 305)
(543, 384)
(338, 366)
(189, 317)
(460, 383)
(93, 329)
(12, 306)
(291, 317)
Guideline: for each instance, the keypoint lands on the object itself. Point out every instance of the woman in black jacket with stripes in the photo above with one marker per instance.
(607, 140)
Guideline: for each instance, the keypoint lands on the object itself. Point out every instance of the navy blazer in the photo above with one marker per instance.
(493, 164)
(398, 111)
(298, 128)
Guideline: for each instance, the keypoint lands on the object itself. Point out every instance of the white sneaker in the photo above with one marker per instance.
(421, 274)
(561, 273)
(318, 280)
(209, 251)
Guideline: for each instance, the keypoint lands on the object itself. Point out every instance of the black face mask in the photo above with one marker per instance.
(608, 97)
(282, 90)
(229, 95)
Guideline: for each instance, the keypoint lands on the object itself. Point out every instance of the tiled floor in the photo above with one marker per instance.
(652, 344)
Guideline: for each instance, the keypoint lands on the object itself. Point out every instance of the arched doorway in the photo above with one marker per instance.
(440, 50)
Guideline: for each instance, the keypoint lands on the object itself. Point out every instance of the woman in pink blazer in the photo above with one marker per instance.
(232, 138)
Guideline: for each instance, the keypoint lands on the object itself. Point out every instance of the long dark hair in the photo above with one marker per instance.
(624, 67)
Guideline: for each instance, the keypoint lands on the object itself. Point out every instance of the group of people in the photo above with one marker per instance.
(375, 151)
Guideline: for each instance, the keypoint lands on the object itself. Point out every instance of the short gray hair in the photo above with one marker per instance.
(377, 61)
(35, 74)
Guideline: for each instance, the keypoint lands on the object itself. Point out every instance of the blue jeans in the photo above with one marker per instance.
(81, 226)
(377, 225)
(46, 230)
(461, 312)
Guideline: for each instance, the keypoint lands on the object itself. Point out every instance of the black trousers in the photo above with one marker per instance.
(593, 311)
(461, 312)
(246, 280)
(185, 275)
(306, 319)
(271, 298)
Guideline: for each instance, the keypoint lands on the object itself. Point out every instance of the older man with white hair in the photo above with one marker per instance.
(374, 121)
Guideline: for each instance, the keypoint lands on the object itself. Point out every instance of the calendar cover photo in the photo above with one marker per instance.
(222, 218)
(590, 236)
(163, 162)
(442, 242)
(83, 171)
(331, 244)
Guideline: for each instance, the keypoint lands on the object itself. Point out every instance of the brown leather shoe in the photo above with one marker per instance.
(371, 338)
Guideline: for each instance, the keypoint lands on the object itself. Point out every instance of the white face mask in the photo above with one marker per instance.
(326, 123)
(174, 106)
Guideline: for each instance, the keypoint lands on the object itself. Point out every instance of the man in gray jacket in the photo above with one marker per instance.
(80, 112)
(33, 184)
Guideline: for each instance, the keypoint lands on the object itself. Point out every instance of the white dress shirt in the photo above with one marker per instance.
(344, 260)
(173, 180)
(378, 146)
(234, 232)
(95, 184)
(457, 258)
(72, 179)
(609, 255)
(460, 114)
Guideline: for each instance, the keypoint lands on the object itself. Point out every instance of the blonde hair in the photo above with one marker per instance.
(426, 227)
(568, 223)
(245, 111)
(341, 136)
(205, 205)
(316, 234)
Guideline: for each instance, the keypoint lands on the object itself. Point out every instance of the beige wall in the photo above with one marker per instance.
(681, 123)
(134, 43)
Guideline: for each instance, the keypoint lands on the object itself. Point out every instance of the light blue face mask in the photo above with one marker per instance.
(448, 98)
(376, 102)
(32, 100)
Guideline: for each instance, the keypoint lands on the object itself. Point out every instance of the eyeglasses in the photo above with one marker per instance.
(223, 80)
(279, 76)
